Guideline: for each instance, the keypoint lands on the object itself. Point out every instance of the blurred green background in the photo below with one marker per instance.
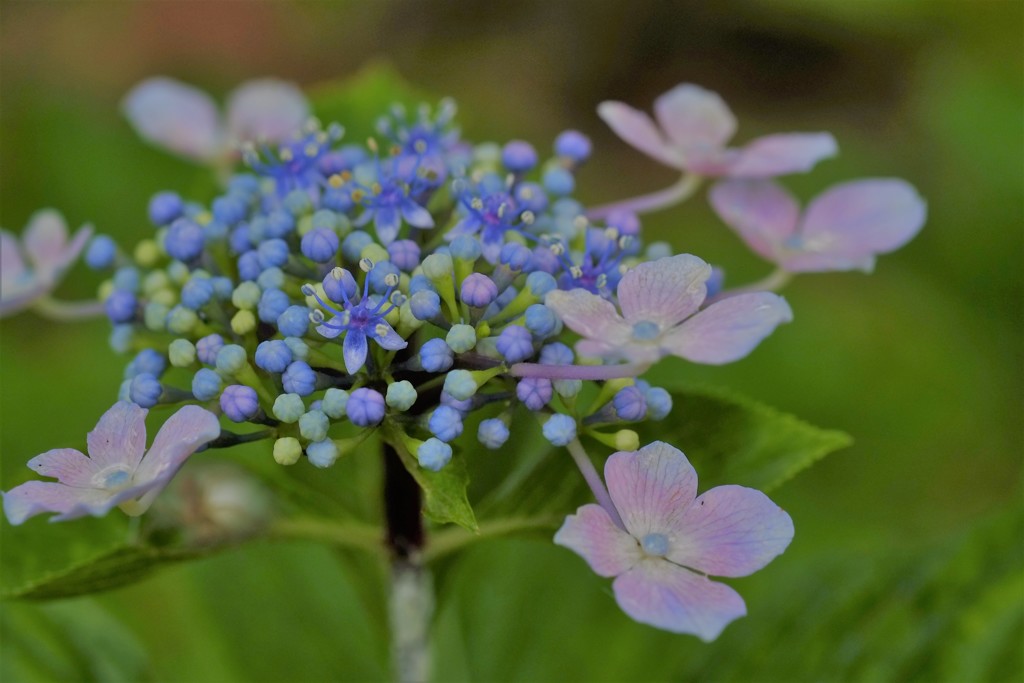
(907, 559)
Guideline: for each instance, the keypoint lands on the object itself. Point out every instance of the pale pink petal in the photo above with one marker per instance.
(668, 597)
(730, 531)
(637, 129)
(119, 437)
(266, 109)
(12, 265)
(729, 329)
(760, 211)
(74, 248)
(175, 116)
(184, 432)
(17, 296)
(632, 352)
(67, 465)
(855, 220)
(45, 239)
(588, 315)
(665, 291)
(651, 488)
(694, 118)
(782, 154)
(592, 535)
(35, 497)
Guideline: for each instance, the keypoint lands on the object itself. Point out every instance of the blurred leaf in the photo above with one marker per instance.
(110, 569)
(68, 641)
(357, 102)
(735, 440)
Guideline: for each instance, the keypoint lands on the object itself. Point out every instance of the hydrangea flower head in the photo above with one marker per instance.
(116, 471)
(185, 120)
(693, 127)
(842, 229)
(660, 301)
(49, 253)
(673, 539)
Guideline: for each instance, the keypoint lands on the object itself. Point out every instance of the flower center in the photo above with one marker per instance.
(113, 478)
(655, 544)
(646, 330)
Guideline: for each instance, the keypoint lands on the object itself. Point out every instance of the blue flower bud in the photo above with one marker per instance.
(239, 402)
(540, 283)
(460, 384)
(314, 425)
(206, 384)
(559, 181)
(288, 408)
(273, 355)
(492, 433)
(437, 266)
(279, 223)
(514, 255)
(465, 248)
(425, 305)
(378, 276)
(299, 378)
(334, 403)
(249, 267)
(433, 454)
(230, 359)
(515, 343)
(573, 145)
(298, 202)
(320, 245)
(150, 362)
(273, 303)
(240, 240)
(208, 347)
(626, 222)
(101, 252)
(127, 279)
(145, 390)
(436, 356)
(323, 453)
(401, 395)
(518, 156)
(229, 209)
(534, 392)
(445, 423)
(196, 293)
(461, 338)
(184, 240)
(154, 316)
(222, 287)
(273, 252)
(630, 404)
(556, 354)
(337, 199)
(294, 321)
(560, 429)
(405, 254)
(365, 407)
(541, 321)
(271, 278)
(164, 207)
(659, 403)
(298, 347)
(354, 243)
(121, 338)
(246, 295)
(325, 219)
(658, 250)
(121, 306)
(420, 283)
(478, 290)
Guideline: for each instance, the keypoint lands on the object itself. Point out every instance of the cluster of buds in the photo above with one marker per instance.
(413, 280)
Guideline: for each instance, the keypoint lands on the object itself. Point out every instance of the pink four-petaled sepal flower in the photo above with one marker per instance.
(660, 301)
(693, 127)
(32, 268)
(842, 229)
(116, 471)
(186, 121)
(673, 539)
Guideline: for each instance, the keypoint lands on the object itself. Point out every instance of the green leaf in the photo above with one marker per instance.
(445, 491)
(68, 641)
(735, 440)
(357, 102)
(104, 571)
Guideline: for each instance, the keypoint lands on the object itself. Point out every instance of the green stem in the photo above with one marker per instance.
(355, 535)
(68, 310)
(447, 541)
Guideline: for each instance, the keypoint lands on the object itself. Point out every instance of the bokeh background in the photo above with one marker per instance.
(906, 563)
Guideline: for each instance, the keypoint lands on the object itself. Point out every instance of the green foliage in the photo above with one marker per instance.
(444, 491)
(731, 439)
